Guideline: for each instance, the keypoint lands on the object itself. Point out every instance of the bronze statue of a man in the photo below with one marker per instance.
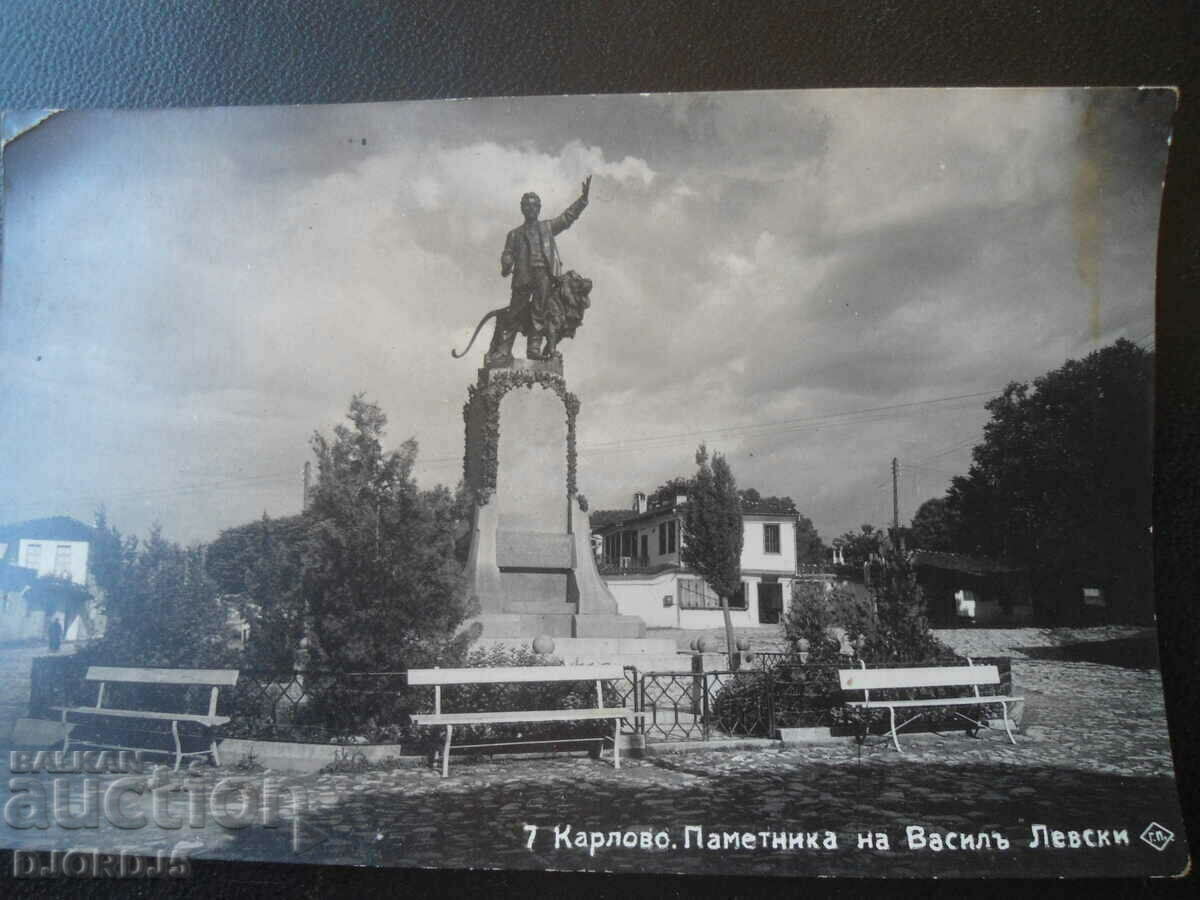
(531, 257)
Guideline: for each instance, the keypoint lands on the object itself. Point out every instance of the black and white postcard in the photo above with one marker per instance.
(703, 483)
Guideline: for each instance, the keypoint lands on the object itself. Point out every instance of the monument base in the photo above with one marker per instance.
(530, 566)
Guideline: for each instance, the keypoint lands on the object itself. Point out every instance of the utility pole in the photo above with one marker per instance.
(307, 479)
(895, 498)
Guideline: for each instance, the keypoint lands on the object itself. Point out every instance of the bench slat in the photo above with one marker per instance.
(139, 714)
(938, 701)
(222, 677)
(928, 676)
(535, 715)
(514, 674)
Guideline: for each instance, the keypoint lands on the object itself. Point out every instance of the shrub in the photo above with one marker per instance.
(898, 630)
(741, 705)
(814, 615)
(887, 625)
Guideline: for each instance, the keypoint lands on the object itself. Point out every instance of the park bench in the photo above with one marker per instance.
(437, 678)
(105, 675)
(966, 678)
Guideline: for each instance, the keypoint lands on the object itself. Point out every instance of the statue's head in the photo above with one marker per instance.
(531, 206)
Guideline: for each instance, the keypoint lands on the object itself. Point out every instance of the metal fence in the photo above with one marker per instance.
(322, 705)
(759, 700)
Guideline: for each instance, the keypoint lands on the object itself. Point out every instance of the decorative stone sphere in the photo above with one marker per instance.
(703, 644)
(543, 644)
(742, 643)
(748, 657)
(803, 644)
(694, 645)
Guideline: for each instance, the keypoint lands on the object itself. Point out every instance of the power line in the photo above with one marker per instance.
(788, 424)
(905, 466)
(868, 415)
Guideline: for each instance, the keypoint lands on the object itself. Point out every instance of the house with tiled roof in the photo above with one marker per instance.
(640, 558)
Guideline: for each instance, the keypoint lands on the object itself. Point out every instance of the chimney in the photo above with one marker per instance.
(639, 502)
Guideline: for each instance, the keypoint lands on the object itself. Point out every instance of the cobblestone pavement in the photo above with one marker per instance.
(1095, 755)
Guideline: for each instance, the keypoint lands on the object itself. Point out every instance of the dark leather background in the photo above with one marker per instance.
(203, 52)
(61, 53)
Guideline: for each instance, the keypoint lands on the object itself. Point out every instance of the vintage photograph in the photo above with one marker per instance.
(742, 483)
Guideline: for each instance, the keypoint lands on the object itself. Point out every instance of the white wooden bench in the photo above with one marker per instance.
(213, 678)
(598, 673)
(965, 677)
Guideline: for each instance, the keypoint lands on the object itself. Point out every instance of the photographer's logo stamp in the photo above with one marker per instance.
(1157, 836)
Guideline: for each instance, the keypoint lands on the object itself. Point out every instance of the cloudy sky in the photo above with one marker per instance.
(811, 282)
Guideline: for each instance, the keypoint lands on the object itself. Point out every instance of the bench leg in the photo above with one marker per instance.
(1007, 726)
(446, 752)
(216, 756)
(178, 746)
(895, 737)
(66, 732)
(617, 744)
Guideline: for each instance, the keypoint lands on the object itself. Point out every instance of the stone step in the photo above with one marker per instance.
(541, 607)
(525, 625)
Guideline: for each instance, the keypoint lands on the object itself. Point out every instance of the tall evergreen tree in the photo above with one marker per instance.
(382, 585)
(712, 525)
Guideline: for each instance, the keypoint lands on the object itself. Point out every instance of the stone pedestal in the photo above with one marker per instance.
(530, 565)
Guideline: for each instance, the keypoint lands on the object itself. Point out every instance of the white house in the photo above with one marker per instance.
(59, 547)
(641, 563)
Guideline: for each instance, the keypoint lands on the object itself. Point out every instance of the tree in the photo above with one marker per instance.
(754, 502)
(383, 588)
(712, 545)
(665, 493)
(161, 606)
(933, 526)
(809, 546)
(261, 565)
(1062, 480)
(859, 546)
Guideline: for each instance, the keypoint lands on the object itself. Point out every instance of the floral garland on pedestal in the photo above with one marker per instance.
(488, 396)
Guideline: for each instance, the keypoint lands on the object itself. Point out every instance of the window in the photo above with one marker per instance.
(771, 538)
(671, 536)
(1093, 597)
(33, 556)
(62, 559)
(694, 593)
(662, 538)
